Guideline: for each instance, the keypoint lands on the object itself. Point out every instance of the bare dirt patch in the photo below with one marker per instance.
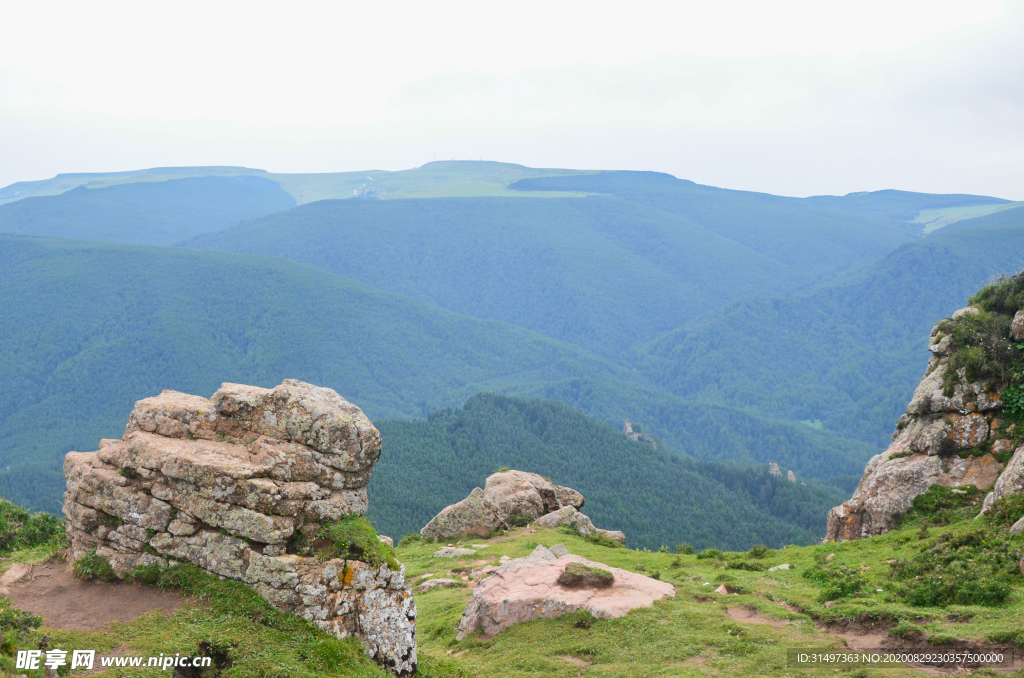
(749, 615)
(574, 660)
(68, 603)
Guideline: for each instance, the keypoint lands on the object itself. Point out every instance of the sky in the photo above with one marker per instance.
(789, 98)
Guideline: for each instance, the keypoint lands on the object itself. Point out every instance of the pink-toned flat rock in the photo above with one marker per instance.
(526, 588)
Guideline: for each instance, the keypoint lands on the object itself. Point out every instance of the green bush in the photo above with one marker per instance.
(746, 565)
(1007, 510)
(603, 540)
(684, 549)
(1005, 296)
(519, 520)
(411, 538)
(980, 345)
(835, 580)
(20, 529)
(15, 621)
(709, 553)
(941, 505)
(973, 568)
(758, 551)
(93, 566)
(353, 538)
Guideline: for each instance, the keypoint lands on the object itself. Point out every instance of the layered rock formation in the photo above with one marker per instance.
(947, 415)
(508, 498)
(534, 587)
(239, 485)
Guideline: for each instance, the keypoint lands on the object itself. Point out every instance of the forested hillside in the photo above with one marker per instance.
(850, 353)
(656, 498)
(599, 272)
(150, 212)
(89, 328)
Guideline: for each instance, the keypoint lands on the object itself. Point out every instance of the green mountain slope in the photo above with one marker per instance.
(654, 497)
(154, 213)
(598, 272)
(91, 327)
(849, 353)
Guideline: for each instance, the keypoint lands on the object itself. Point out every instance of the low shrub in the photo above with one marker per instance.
(709, 553)
(684, 549)
(941, 505)
(20, 529)
(1005, 296)
(93, 566)
(835, 580)
(17, 622)
(758, 551)
(519, 520)
(411, 538)
(580, 576)
(1007, 510)
(353, 538)
(580, 619)
(603, 540)
(746, 565)
(981, 346)
(973, 568)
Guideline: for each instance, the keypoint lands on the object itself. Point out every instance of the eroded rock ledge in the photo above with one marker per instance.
(239, 484)
(939, 423)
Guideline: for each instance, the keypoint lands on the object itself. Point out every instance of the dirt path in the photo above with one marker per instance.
(68, 603)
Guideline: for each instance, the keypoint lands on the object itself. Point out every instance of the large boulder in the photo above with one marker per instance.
(937, 425)
(529, 588)
(507, 498)
(236, 484)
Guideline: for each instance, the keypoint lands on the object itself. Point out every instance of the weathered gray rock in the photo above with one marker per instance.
(226, 483)
(1017, 326)
(527, 588)
(472, 515)
(934, 427)
(568, 516)
(891, 482)
(559, 550)
(509, 496)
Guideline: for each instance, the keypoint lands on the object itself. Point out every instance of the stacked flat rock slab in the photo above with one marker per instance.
(528, 588)
(923, 453)
(236, 484)
(506, 497)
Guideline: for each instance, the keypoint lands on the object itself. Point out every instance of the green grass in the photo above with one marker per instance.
(668, 639)
(933, 220)
(689, 634)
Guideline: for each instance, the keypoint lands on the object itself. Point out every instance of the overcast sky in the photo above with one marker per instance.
(788, 98)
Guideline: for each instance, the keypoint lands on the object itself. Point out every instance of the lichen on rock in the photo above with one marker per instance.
(242, 485)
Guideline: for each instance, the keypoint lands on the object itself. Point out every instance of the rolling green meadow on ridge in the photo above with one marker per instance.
(488, 315)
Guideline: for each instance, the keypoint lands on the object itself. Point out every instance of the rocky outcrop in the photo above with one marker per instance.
(529, 588)
(508, 498)
(237, 485)
(939, 423)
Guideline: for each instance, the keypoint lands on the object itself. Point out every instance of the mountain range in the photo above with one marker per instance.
(732, 326)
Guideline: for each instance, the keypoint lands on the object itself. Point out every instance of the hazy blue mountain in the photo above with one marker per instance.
(654, 497)
(814, 240)
(849, 353)
(150, 212)
(91, 327)
(599, 272)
